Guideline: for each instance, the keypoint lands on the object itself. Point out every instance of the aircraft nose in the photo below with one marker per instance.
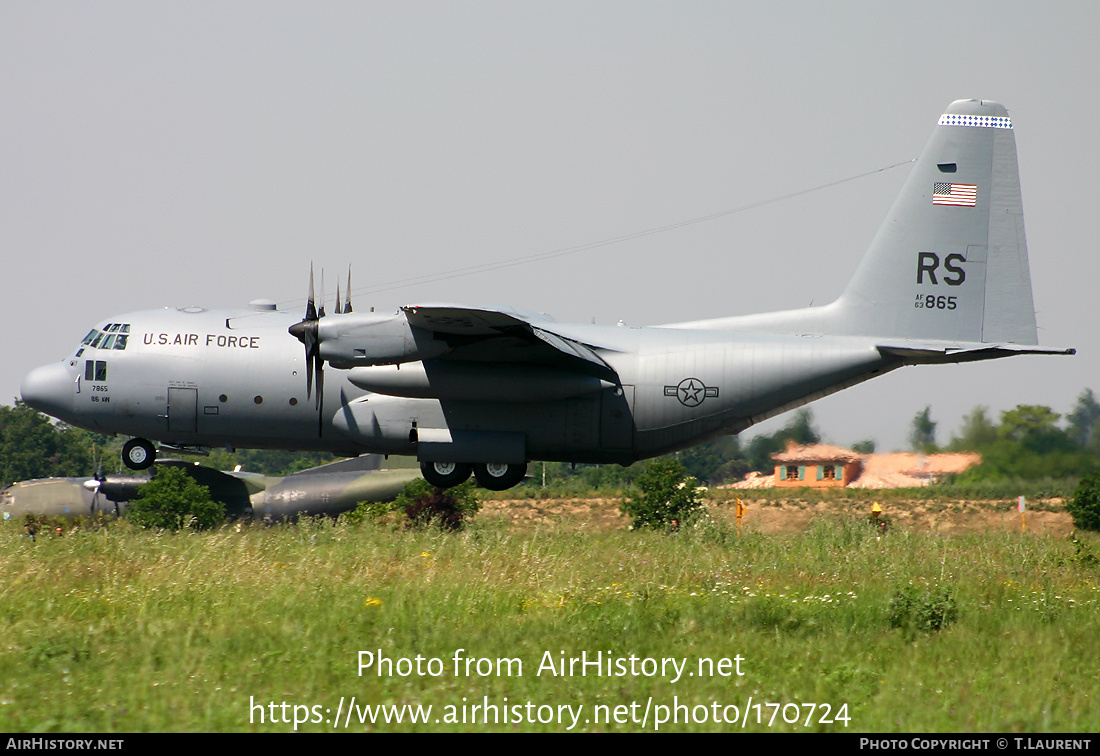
(49, 389)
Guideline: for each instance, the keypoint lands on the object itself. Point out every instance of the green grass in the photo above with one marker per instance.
(119, 630)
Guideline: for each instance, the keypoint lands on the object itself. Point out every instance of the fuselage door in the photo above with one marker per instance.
(617, 418)
(183, 406)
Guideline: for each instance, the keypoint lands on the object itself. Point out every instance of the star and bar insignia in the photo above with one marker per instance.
(691, 392)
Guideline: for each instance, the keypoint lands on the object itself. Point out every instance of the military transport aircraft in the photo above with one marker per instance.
(466, 389)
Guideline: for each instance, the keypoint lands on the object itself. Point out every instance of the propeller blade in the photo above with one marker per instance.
(320, 397)
(309, 373)
(347, 302)
(311, 308)
(321, 309)
(337, 308)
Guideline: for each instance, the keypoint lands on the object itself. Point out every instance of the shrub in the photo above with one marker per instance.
(424, 505)
(35, 524)
(1085, 504)
(173, 500)
(926, 611)
(367, 511)
(667, 493)
(1083, 553)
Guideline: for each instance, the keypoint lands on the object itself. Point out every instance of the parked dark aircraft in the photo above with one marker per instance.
(327, 490)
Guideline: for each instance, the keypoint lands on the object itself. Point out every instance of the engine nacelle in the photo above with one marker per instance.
(368, 339)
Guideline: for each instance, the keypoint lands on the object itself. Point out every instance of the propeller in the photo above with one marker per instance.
(96, 482)
(93, 485)
(307, 332)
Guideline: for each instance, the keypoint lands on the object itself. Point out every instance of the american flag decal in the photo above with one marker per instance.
(960, 195)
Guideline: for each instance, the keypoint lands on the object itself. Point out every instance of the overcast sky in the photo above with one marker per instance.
(178, 153)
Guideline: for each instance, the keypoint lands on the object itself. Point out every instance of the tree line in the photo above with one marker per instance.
(1031, 441)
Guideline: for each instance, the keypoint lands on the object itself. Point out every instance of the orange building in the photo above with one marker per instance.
(816, 466)
(825, 466)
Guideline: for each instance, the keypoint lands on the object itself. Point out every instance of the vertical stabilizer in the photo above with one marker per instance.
(950, 261)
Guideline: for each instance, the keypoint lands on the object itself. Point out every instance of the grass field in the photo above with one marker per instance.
(118, 630)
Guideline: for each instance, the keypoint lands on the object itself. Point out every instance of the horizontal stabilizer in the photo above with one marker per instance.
(943, 352)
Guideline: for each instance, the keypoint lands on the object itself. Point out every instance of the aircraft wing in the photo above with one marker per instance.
(505, 335)
(943, 351)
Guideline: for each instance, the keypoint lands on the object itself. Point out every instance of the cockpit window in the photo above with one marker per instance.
(95, 370)
(113, 336)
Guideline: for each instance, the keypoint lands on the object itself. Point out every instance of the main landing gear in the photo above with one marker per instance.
(495, 476)
(138, 454)
(445, 474)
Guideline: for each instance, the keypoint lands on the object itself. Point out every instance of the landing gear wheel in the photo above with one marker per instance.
(444, 474)
(497, 476)
(138, 454)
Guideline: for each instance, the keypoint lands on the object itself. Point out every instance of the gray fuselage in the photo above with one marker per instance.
(195, 377)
